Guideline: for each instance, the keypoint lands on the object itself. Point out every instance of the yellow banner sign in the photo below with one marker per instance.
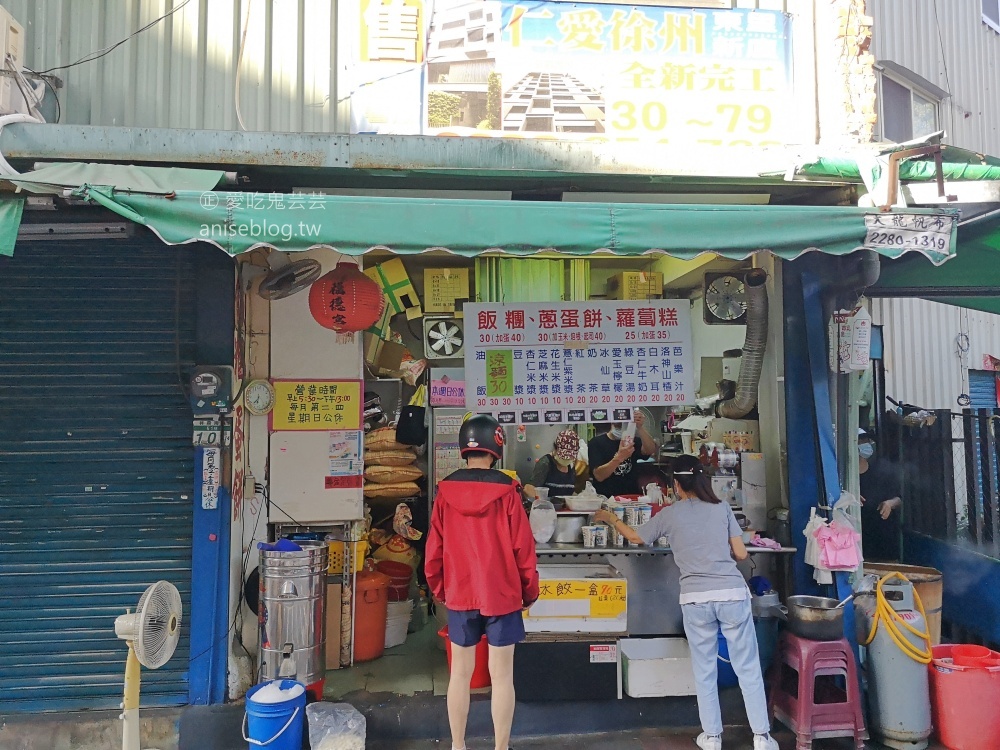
(316, 405)
(607, 599)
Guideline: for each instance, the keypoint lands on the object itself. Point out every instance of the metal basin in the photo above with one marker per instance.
(814, 618)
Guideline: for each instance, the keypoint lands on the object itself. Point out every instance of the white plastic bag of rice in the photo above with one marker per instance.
(335, 726)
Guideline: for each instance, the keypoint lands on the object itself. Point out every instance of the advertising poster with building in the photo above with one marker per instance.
(577, 362)
(600, 71)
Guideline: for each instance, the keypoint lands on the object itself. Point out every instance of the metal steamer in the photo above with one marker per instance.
(291, 613)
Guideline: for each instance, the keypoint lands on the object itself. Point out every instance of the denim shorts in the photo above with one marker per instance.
(466, 628)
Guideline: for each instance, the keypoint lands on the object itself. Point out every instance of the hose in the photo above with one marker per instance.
(891, 619)
(753, 349)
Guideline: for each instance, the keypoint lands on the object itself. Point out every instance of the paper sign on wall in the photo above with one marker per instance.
(346, 466)
(566, 362)
(316, 405)
(211, 477)
(850, 333)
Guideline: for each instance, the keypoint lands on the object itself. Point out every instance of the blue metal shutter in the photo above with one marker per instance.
(95, 464)
(983, 389)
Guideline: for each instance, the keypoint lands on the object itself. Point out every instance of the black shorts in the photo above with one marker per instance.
(466, 628)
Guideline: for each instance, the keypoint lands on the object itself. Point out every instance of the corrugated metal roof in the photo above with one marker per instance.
(181, 73)
(948, 44)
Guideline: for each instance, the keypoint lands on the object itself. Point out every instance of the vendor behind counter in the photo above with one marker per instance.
(559, 470)
(613, 460)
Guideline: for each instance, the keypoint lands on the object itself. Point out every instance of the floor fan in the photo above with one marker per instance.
(151, 632)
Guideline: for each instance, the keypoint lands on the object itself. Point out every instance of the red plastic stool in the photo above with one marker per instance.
(817, 709)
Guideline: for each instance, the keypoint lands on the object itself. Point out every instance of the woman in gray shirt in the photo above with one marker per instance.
(706, 542)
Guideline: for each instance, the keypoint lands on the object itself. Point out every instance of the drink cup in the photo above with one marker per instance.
(588, 537)
(600, 535)
(645, 513)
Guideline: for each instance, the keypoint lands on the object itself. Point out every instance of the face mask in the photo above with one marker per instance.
(615, 433)
(867, 450)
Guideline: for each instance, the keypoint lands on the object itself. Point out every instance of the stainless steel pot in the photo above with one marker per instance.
(814, 618)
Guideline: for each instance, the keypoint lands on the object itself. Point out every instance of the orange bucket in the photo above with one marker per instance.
(481, 673)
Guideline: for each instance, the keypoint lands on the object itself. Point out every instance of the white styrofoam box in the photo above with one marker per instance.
(579, 598)
(656, 667)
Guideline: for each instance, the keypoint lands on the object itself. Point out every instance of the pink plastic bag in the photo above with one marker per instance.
(838, 547)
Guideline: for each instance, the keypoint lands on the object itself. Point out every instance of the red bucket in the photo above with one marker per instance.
(964, 701)
(481, 673)
(968, 655)
(399, 579)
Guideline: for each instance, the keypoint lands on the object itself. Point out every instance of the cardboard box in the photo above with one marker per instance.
(636, 285)
(656, 667)
(333, 611)
(444, 289)
(398, 288)
(575, 598)
(382, 355)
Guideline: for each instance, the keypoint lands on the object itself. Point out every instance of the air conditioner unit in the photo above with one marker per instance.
(12, 47)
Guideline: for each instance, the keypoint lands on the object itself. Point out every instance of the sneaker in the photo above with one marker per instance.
(710, 741)
(764, 742)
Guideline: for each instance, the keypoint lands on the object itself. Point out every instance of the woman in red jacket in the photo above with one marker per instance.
(481, 564)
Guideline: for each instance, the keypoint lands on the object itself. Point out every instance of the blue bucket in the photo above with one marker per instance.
(278, 726)
(727, 676)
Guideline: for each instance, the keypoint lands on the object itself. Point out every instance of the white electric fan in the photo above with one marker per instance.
(151, 632)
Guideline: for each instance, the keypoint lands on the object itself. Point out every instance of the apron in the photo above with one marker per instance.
(560, 484)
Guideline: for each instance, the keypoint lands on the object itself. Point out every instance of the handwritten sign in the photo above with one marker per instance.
(446, 391)
(211, 477)
(928, 233)
(316, 405)
(577, 362)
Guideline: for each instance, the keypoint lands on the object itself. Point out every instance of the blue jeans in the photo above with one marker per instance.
(701, 625)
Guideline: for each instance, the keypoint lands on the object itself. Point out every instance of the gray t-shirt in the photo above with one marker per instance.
(698, 534)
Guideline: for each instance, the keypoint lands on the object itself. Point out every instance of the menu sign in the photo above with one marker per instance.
(568, 362)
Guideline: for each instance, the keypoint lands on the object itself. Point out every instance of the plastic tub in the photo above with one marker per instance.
(964, 655)
(481, 673)
(964, 702)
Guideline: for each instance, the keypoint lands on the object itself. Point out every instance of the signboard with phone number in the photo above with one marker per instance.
(567, 362)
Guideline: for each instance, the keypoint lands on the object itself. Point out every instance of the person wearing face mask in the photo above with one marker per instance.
(612, 459)
(880, 504)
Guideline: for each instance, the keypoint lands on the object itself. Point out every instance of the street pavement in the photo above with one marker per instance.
(735, 738)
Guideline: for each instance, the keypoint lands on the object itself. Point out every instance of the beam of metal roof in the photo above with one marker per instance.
(227, 149)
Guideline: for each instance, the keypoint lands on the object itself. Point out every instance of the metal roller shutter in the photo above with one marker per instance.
(95, 464)
(983, 389)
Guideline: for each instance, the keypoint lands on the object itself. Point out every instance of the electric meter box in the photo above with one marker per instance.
(211, 390)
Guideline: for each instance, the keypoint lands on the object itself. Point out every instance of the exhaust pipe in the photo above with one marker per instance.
(753, 348)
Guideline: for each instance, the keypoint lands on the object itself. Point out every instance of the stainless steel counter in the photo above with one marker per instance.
(653, 581)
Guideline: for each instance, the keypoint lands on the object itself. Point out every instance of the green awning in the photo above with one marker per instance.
(970, 280)
(53, 178)
(10, 220)
(238, 222)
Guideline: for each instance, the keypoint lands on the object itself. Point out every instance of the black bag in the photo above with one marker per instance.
(410, 429)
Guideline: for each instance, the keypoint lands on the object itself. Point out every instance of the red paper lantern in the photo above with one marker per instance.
(345, 300)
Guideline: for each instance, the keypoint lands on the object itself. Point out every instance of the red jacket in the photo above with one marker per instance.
(480, 550)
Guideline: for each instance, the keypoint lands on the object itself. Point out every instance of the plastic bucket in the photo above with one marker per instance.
(964, 702)
(278, 726)
(971, 656)
(481, 673)
(727, 676)
(399, 579)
